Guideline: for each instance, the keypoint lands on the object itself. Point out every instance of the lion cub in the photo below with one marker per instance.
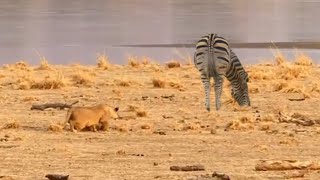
(90, 117)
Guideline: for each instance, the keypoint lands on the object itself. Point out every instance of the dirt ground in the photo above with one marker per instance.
(163, 122)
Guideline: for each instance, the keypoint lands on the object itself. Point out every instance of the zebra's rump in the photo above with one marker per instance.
(212, 55)
(214, 58)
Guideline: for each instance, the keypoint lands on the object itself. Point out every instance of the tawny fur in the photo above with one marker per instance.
(80, 118)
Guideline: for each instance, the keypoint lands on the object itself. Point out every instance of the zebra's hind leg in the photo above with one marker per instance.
(218, 83)
(206, 84)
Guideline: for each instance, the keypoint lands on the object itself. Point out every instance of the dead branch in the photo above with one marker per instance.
(264, 165)
(296, 118)
(52, 105)
(187, 168)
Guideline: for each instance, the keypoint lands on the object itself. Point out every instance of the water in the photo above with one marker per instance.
(77, 30)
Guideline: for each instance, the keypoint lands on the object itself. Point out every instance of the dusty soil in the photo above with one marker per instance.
(159, 126)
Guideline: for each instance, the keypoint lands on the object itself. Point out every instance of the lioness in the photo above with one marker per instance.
(90, 117)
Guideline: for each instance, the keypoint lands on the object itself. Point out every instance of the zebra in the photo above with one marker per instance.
(214, 58)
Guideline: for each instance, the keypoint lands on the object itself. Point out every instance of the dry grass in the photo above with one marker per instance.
(141, 112)
(28, 81)
(49, 82)
(243, 123)
(302, 59)
(173, 64)
(132, 108)
(253, 89)
(191, 126)
(20, 65)
(133, 61)
(291, 71)
(11, 125)
(55, 128)
(82, 78)
(176, 85)
(145, 61)
(185, 56)
(279, 85)
(162, 111)
(30, 98)
(268, 118)
(260, 73)
(103, 62)
(158, 82)
(278, 56)
(124, 82)
(44, 65)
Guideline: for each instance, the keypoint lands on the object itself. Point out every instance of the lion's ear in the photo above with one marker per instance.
(116, 109)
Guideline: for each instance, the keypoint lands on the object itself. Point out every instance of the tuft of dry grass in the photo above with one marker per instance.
(302, 59)
(20, 65)
(280, 85)
(44, 64)
(173, 64)
(121, 152)
(191, 126)
(268, 118)
(30, 98)
(158, 82)
(82, 78)
(103, 62)
(133, 61)
(141, 112)
(11, 125)
(145, 61)
(243, 123)
(278, 56)
(55, 128)
(291, 71)
(176, 85)
(253, 89)
(132, 107)
(185, 56)
(50, 82)
(123, 82)
(258, 73)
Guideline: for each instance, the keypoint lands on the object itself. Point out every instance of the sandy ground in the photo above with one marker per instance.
(159, 127)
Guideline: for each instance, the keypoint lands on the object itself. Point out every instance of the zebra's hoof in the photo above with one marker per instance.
(208, 109)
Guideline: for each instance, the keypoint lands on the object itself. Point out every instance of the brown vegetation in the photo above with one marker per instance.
(173, 64)
(158, 82)
(103, 62)
(55, 128)
(11, 125)
(82, 78)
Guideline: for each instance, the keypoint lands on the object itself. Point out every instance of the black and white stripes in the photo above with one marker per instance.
(214, 58)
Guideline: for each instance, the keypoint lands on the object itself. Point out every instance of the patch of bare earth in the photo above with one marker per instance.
(162, 121)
